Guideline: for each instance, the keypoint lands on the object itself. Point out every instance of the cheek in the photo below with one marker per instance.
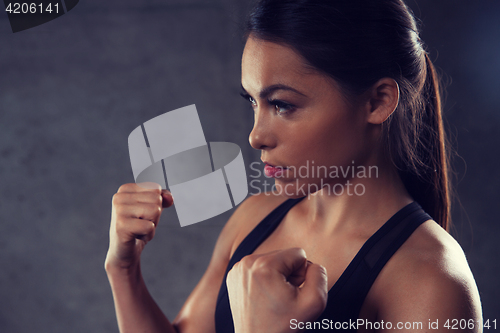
(333, 142)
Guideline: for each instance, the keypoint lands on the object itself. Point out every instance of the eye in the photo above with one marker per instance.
(281, 107)
(249, 98)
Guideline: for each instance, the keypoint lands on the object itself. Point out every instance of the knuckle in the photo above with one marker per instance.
(262, 268)
(298, 251)
(151, 209)
(154, 192)
(145, 229)
(117, 198)
(156, 213)
(150, 230)
(153, 197)
(261, 262)
(126, 187)
(263, 273)
(247, 262)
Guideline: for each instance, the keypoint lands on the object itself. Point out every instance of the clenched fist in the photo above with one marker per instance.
(135, 214)
(266, 291)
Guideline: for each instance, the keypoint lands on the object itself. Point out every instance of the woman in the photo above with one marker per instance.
(345, 90)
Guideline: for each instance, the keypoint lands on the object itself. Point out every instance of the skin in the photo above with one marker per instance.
(427, 279)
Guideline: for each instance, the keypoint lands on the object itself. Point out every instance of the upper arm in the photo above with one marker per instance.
(434, 288)
(198, 312)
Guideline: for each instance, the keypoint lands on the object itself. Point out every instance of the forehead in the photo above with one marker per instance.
(264, 63)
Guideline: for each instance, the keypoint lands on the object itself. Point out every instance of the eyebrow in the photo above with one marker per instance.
(264, 93)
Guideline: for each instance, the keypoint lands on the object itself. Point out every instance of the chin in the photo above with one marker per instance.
(295, 188)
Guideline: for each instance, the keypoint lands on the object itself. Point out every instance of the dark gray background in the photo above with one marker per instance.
(73, 89)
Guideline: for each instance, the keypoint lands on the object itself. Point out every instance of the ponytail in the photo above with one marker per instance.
(425, 171)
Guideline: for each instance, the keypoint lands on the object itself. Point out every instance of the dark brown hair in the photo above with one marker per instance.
(358, 42)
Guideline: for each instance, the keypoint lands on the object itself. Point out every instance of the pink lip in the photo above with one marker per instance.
(273, 171)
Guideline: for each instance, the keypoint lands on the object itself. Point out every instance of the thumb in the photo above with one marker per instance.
(314, 292)
(167, 199)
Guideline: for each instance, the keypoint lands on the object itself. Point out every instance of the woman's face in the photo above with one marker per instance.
(301, 120)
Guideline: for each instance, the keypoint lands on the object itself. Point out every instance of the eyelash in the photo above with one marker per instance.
(274, 102)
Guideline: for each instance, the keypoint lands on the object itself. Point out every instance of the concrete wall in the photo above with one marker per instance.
(73, 89)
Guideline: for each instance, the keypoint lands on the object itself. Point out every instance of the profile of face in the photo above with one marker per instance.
(302, 118)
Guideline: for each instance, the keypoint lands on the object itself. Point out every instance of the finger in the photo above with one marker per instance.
(132, 228)
(130, 198)
(314, 291)
(167, 199)
(291, 263)
(133, 187)
(147, 186)
(146, 211)
(298, 277)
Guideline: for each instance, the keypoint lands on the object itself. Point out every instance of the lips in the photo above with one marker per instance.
(273, 171)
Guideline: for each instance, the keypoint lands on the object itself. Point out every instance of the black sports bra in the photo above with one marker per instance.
(347, 295)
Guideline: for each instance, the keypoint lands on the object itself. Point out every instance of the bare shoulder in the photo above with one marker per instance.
(428, 279)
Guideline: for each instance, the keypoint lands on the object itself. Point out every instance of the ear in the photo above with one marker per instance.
(383, 100)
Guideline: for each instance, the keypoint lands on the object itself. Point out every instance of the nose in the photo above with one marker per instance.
(262, 136)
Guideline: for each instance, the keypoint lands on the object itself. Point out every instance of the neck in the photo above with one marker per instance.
(364, 206)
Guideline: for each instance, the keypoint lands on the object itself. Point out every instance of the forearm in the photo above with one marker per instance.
(136, 311)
